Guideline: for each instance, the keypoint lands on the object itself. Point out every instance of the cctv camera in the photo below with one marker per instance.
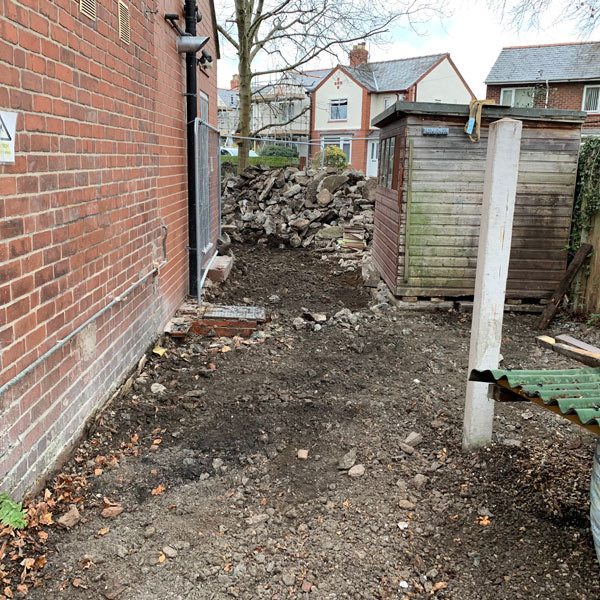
(190, 43)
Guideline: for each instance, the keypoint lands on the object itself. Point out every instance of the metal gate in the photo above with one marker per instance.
(208, 193)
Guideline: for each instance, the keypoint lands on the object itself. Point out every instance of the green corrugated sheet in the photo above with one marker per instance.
(574, 391)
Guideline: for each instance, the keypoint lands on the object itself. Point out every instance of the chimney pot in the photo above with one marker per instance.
(359, 54)
(235, 82)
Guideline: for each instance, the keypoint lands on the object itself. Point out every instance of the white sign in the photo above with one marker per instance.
(8, 127)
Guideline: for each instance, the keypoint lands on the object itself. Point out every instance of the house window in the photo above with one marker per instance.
(386, 163)
(338, 110)
(344, 143)
(591, 98)
(386, 103)
(517, 97)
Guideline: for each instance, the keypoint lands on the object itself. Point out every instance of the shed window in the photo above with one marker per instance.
(338, 110)
(591, 98)
(517, 97)
(386, 162)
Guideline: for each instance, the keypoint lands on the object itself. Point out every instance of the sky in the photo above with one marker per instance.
(473, 35)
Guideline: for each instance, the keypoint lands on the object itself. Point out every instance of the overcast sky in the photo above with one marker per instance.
(473, 35)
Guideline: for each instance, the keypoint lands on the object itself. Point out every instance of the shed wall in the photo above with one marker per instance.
(445, 209)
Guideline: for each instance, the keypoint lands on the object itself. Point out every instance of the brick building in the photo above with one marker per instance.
(99, 168)
(549, 76)
(345, 102)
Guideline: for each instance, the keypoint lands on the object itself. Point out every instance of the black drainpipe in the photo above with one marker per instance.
(191, 70)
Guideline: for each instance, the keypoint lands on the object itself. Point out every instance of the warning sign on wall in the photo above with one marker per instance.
(8, 126)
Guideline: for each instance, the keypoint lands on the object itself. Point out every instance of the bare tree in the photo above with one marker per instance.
(529, 14)
(287, 34)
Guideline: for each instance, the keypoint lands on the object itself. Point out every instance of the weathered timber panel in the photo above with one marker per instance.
(446, 190)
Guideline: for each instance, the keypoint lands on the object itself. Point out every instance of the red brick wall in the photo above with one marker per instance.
(567, 96)
(100, 162)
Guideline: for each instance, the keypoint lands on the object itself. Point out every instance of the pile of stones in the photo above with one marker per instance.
(300, 208)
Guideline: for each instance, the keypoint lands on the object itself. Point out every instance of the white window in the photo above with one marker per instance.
(338, 110)
(341, 142)
(591, 98)
(517, 97)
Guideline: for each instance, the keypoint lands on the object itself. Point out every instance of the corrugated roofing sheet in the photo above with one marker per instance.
(574, 391)
(560, 62)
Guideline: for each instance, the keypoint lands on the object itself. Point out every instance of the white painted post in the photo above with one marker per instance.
(495, 236)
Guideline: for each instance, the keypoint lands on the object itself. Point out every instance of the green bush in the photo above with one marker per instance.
(11, 514)
(279, 150)
(269, 161)
(334, 157)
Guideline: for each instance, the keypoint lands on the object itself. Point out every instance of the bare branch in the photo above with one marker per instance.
(270, 125)
(228, 37)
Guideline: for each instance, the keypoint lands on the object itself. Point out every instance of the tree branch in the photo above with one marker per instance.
(228, 37)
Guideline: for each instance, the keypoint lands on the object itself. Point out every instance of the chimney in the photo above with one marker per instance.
(235, 82)
(359, 55)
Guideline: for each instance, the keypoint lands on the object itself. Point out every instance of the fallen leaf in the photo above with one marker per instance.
(153, 471)
(440, 585)
(103, 531)
(226, 349)
(134, 438)
(77, 582)
(98, 472)
(159, 350)
(23, 589)
(111, 511)
(161, 558)
(172, 507)
(42, 535)
(8, 592)
(157, 441)
(263, 501)
(157, 491)
(484, 520)
(227, 567)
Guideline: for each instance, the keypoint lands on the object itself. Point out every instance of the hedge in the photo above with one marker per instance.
(270, 161)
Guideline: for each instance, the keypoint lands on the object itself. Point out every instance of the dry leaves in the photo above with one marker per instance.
(157, 491)
(483, 520)
(161, 558)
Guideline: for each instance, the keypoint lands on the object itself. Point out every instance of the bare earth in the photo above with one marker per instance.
(217, 504)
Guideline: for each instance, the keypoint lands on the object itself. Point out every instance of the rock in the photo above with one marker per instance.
(324, 198)
(330, 233)
(512, 443)
(306, 586)
(114, 589)
(357, 471)
(197, 393)
(347, 461)
(288, 579)
(413, 439)
(419, 480)
(295, 189)
(299, 323)
(70, 518)
(302, 454)
(149, 532)
(406, 448)
(300, 224)
(406, 504)
(332, 183)
(257, 519)
(121, 551)
(217, 463)
(169, 552)
(158, 389)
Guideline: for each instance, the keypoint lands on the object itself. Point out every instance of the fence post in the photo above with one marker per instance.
(495, 236)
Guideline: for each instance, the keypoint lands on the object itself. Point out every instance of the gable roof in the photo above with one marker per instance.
(310, 79)
(229, 98)
(393, 75)
(552, 62)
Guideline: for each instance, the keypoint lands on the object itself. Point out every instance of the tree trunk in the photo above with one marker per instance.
(243, 20)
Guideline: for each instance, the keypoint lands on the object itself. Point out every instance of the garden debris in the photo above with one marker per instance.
(297, 208)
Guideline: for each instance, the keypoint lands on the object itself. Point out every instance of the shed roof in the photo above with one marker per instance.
(574, 392)
(552, 62)
(393, 75)
(490, 111)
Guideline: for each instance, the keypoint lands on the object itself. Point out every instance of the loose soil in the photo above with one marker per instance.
(217, 504)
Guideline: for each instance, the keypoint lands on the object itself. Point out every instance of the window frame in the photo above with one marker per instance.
(341, 140)
(513, 91)
(338, 102)
(585, 89)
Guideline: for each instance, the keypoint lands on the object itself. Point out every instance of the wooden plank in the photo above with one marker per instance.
(562, 288)
(409, 183)
(565, 338)
(590, 359)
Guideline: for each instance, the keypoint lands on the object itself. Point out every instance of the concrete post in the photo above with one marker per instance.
(495, 235)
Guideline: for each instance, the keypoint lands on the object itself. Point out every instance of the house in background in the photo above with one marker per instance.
(549, 76)
(346, 101)
(280, 108)
(88, 277)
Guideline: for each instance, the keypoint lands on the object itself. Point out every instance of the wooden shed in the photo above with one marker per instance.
(430, 189)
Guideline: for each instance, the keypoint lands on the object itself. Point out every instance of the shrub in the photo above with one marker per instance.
(269, 161)
(11, 514)
(334, 157)
(279, 150)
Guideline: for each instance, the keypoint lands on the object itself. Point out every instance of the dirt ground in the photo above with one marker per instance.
(216, 503)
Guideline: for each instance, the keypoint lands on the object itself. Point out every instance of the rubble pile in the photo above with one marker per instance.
(300, 208)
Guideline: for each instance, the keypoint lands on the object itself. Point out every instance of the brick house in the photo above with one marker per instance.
(345, 102)
(99, 168)
(549, 76)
